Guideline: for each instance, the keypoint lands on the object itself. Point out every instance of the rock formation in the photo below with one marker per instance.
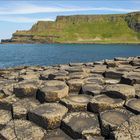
(123, 28)
(87, 101)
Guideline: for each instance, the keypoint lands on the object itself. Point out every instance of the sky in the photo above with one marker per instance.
(22, 14)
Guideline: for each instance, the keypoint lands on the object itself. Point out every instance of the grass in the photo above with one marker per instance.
(100, 29)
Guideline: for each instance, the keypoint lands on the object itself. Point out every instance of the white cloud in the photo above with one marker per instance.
(14, 12)
(23, 19)
(31, 9)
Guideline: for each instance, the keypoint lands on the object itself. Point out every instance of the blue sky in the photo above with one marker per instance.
(22, 14)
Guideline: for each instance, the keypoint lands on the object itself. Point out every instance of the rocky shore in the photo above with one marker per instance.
(85, 101)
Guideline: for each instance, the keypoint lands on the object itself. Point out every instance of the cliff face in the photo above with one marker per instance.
(123, 28)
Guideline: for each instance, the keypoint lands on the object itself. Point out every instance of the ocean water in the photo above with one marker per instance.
(50, 54)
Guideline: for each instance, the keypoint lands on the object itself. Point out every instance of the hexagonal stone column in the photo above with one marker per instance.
(120, 90)
(26, 89)
(23, 106)
(94, 79)
(131, 78)
(48, 115)
(21, 130)
(75, 84)
(7, 102)
(129, 130)
(91, 89)
(133, 105)
(75, 69)
(78, 124)
(76, 102)
(56, 134)
(111, 119)
(103, 102)
(5, 117)
(53, 90)
(77, 75)
(113, 73)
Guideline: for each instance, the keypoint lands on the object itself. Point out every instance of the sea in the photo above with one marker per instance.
(12, 55)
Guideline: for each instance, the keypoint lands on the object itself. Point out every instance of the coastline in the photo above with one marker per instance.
(95, 43)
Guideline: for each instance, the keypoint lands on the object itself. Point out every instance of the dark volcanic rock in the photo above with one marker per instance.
(7, 102)
(133, 105)
(76, 102)
(111, 119)
(131, 78)
(103, 102)
(53, 90)
(48, 115)
(129, 130)
(79, 124)
(120, 90)
(75, 84)
(21, 130)
(56, 134)
(25, 89)
(84, 101)
(22, 107)
(91, 89)
(5, 117)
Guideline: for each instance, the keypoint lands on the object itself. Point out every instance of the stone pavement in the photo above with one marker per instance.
(85, 101)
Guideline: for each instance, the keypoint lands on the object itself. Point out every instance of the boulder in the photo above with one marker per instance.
(91, 89)
(23, 106)
(76, 102)
(129, 130)
(120, 90)
(29, 76)
(110, 63)
(79, 124)
(48, 115)
(53, 90)
(26, 89)
(131, 78)
(121, 59)
(133, 105)
(111, 119)
(103, 102)
(21, 130)
(95, 79)
(45, 74)
(112, 73)
(75, 84)
(57, 74)
(5, 117)
(77, 75)
(56, 134)
(7, 102)
(75, 69)
(99, 69)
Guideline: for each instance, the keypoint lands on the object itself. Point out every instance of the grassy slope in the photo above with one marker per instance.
(83, 29)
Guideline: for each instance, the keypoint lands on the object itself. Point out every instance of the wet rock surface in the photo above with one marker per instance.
(85, 101)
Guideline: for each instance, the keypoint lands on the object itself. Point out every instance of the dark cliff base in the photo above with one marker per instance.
(96, 100)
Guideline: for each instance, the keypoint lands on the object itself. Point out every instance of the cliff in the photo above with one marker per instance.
(123, 28)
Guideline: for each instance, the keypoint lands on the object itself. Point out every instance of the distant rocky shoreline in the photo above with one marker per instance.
(88, 101)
